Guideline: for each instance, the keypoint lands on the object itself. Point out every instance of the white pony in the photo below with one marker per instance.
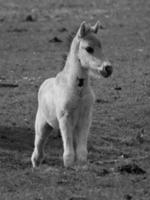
(65, 102)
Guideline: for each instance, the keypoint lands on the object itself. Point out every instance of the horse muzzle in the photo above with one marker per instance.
(106, 69)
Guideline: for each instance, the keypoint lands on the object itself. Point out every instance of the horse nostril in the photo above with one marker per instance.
(108, 69)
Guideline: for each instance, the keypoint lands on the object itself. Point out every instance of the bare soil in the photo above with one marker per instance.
(33, 37)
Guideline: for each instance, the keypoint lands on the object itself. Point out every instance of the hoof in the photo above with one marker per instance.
(36, 160)
(81, 158)
(68, 160)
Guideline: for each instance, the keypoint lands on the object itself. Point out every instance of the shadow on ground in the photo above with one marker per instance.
(20, 141)
(16, 138)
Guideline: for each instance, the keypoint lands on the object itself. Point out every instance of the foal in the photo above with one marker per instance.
(65, 102)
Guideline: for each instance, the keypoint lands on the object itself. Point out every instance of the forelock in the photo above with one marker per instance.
(92, 39)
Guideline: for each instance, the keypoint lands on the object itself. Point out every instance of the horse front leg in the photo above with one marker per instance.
(81, 137)
(66, 128)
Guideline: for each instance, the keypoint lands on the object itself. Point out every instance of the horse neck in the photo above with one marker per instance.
(73, 67)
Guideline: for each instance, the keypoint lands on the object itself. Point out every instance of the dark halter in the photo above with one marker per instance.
(80, 82)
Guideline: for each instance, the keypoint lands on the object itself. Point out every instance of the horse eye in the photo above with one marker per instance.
(90, 50)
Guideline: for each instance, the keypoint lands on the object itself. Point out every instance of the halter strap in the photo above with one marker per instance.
(80, 82)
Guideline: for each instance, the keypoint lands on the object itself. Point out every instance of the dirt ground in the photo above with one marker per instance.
(33, 37)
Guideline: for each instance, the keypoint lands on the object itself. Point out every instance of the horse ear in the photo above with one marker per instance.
(96, 27)
(82, 29)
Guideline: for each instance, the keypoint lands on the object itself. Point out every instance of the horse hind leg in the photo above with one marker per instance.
(42, 131)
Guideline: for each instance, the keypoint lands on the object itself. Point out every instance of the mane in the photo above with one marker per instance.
(69, 40)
